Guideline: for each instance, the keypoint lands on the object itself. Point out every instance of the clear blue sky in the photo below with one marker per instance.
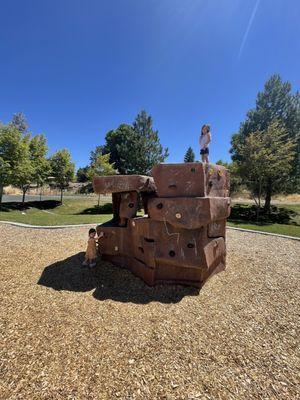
(80, 68)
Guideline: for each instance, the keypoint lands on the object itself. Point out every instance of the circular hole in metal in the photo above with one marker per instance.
(131, 205)
(190, 245)
(172, 253)
(193, 169)
(141, 249)
(159, 206)
(210, 183)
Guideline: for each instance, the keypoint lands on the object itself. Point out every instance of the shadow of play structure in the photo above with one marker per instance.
(108, 283)
(181, 237)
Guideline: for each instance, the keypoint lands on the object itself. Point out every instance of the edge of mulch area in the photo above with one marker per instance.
(20, 224)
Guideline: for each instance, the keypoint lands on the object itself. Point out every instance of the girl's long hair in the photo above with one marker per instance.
(205, 126)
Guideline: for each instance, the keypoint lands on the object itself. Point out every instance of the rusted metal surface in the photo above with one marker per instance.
(179, 180)
(217, 181)
(182, 239)
(189, 213)
(123, 183)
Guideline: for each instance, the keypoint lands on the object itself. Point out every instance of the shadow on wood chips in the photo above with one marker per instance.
(109, 282)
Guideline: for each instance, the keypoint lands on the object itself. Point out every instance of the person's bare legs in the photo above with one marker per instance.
(203, 158)
(206, 158)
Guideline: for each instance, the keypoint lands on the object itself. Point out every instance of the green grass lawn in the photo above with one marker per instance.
(286, 219)
(72, 211)
(287, 222)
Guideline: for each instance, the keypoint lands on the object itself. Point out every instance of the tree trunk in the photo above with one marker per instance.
(1, 193)
(259, 201)
(24, 193)
(61, 196)
(99, 200)
(267, 205)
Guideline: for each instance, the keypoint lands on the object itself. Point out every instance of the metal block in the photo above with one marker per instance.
(115, 241)
(128, 204)
(217, 181)
(217, 229)
(179, 180)
(190, 212)
(123, 183)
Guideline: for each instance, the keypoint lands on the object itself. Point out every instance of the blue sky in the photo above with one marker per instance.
(80, 68)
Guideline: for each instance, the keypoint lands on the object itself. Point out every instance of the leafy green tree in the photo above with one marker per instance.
(62, 169)
(135, 149)
(117, 143)
(99, 151)
(235, 179)
(81, 174)
(266, 156)
(275, 103)
(35, 167)
(5, 174)
(41, 169)
(24, 170)
(19, 121)
(189, 155)
(14, 157)
(101, 167)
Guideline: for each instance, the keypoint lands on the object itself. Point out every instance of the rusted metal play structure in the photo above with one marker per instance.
(181, 237)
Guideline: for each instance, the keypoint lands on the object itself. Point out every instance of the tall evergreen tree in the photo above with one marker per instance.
(149, 150)
(189, 155)
(19, 121)
(135, 149)
(275, 103)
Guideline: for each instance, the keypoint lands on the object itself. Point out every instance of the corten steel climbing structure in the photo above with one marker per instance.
(181, 237)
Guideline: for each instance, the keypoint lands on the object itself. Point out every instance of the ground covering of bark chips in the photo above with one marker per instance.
(74, 333)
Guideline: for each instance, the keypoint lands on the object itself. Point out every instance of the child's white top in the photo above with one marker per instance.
(204, 140)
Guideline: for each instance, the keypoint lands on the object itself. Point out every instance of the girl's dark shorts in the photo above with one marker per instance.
(204, 151)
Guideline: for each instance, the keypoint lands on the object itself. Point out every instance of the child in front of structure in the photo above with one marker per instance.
(91, 251)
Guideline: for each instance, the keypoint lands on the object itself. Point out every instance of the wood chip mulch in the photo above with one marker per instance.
(74, 333)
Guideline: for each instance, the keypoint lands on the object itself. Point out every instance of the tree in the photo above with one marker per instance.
(189, 155)
(266, 161)
(118, 141)
(275, 103)
(149, 151)
(35, 167)
(99, 151)
(235, 178)
(41, 169)
(62, 169)
(24, 170)
(101, 167)
(5, 172)
(81, 174)
(135, 149)
(14, 156)
(19, 121)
